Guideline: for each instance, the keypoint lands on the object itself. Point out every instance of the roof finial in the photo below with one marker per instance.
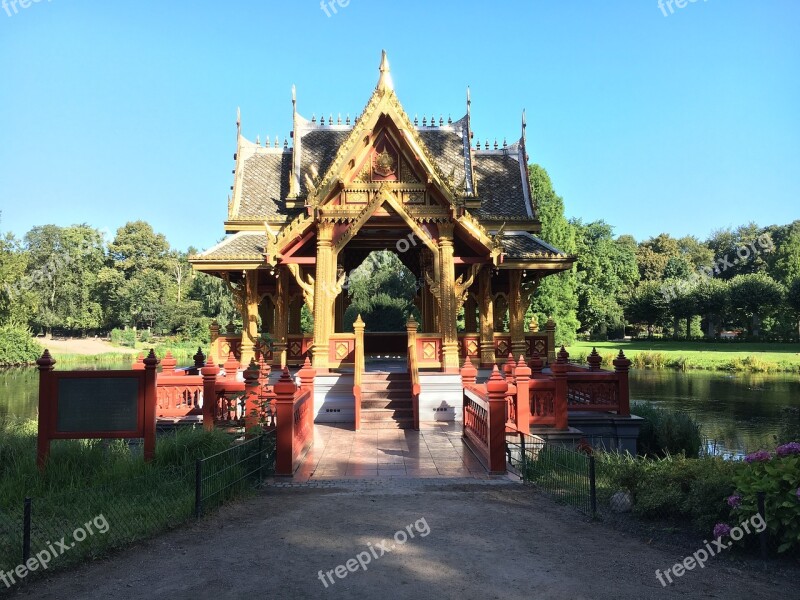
(524, 126)
(385, 80)
(238, 120)
(294, 95)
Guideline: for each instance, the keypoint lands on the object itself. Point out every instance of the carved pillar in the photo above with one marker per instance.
(295, 315)
(486, 307)
(323, 294)
(470, 323)
(266, 310)
(249, 318)
(447, 300)
(280, 341)
(516, 312)
(339, 305)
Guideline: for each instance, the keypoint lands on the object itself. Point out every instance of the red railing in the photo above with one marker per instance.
(295, 419)
(484, 418)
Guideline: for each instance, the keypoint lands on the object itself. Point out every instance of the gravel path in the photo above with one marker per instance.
(472, 539)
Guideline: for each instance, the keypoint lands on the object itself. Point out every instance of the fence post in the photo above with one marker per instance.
(150, 402)
(559, 369)
(497, 388)
(550, 328)
(26, 531)
(307, 375)
(46, 364)
(198, 488)
(764, 535)
(285, 390)
(251, 409)
(592, 485)
(522, 374)
(260, 457)
(621, 366)
(209, 373)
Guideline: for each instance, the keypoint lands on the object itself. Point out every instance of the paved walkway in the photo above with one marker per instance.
(433, 451)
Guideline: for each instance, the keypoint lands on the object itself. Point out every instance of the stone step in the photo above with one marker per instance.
(386, 414)
(395, 424)
(384, 376)
(386, 403)
(386, 386)
(387, 394)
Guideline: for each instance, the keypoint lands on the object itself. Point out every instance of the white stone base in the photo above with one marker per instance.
(333, 399)
(440, 397)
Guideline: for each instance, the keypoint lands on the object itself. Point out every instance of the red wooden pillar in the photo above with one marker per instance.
(497, 388)
(621, 366)
(46, 365)
(536, 365)
(168, 364)
(209, 373)
(594, 360)
(468, 376)
(307, 375)
(150, 394)
(252, 412)
(559, 369)
(285, 390)
(522, 374)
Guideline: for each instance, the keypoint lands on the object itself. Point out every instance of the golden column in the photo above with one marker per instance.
(447, 277)
(249, 317)
(486, 316)
(324, 294)
(516, 312)
(281, 317)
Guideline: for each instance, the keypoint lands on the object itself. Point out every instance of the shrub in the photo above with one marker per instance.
(778, 476)
(123, 337)
(17, 346)
(666, 432)
(674, 487)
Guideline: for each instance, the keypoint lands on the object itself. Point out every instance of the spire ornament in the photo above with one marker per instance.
(385, 82)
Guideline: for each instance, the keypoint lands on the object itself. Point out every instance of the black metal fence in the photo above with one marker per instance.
(64, 529)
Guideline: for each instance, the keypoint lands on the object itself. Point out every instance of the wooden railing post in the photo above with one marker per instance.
(497, 388)
(559, 369)
(468, 376)
(594, 360)
(536, 364)
(199, 361)
(522, 375)
(46, 364)
(150, 399)
(251, 408)
(358, 369)
(209, 373)
(413, 367)
(284, 391)
(550, 329)
(621, 366)
(168, 364)
(307, 375)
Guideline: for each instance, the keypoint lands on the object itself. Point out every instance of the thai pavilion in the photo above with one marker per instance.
(460, 216)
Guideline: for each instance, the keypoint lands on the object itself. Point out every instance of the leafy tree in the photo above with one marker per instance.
(647, 305)
(214, 297)
(793, 300)
(17, 301)
(654, 255)
(711, 300)
(137, 247)
(784, 262)
(753, 297)
(556, 295)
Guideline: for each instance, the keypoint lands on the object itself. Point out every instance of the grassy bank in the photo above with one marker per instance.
(89, 478)
(658, 354)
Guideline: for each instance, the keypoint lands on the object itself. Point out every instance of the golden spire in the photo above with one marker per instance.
(385, 80)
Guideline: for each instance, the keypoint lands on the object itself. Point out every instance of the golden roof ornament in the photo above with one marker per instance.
(384, 164)
(385, 82)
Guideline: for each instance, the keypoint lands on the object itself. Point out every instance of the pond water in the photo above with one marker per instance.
(738, 412)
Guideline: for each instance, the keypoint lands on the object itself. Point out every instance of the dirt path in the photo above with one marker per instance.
(84, 346)
(491, 539)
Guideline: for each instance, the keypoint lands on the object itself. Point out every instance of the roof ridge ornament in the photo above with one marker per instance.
(385, 82)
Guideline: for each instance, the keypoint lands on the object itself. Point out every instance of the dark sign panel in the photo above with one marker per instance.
(105, 404)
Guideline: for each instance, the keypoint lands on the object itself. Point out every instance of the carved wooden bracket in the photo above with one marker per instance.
(306, 286)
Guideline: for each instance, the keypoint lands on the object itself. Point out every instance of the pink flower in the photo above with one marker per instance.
(721, 529)
(734, 501)
(760, 456)
(788, 449)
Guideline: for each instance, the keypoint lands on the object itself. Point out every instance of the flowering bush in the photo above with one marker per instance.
(778, 476)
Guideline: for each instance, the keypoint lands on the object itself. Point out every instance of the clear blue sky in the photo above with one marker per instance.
(114, 111)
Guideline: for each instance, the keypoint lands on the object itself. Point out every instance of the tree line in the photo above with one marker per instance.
(745, 279)
(72, 279)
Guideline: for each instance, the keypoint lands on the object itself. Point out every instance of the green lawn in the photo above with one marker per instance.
(755, 357)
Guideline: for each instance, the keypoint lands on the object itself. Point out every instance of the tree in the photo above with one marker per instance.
(793, 300)
(556, 296)
(17, 301)
(784, 261)
(647, 305)
(606, 270)
(654, 255)
(753, 297)
(137, 247)
(711, 300)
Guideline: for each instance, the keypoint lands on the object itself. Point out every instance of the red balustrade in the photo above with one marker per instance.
(295, 419)
(485, 418)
